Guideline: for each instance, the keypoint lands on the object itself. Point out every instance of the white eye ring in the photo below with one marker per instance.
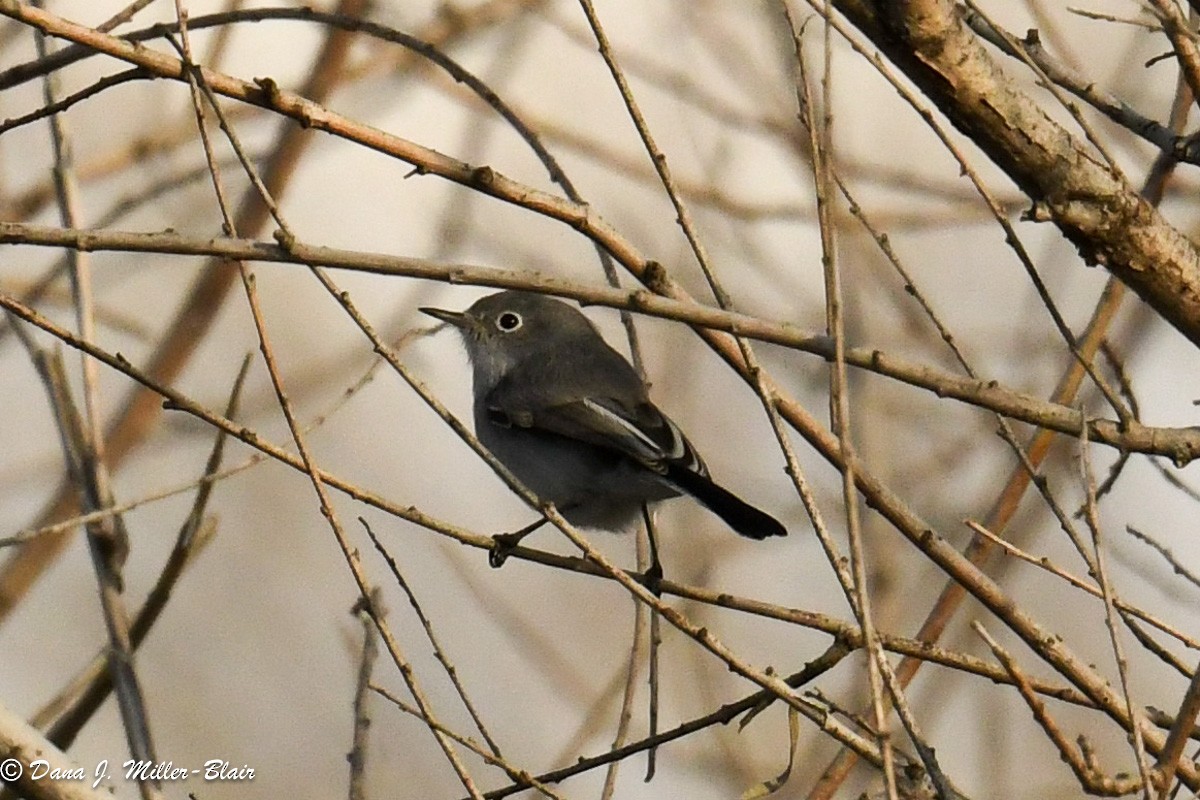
(509, 321)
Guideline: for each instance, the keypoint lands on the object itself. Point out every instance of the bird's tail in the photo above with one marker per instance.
(744, 518)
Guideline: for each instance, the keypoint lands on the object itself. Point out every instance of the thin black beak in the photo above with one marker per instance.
(456, 318)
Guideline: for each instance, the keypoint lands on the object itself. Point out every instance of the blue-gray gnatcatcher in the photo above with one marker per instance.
(570, 418)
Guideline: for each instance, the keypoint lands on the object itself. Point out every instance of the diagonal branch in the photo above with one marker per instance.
(1109, 222)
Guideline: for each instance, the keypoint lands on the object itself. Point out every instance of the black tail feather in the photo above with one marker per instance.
(744, 518)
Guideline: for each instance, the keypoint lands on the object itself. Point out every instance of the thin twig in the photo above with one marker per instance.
(1181, 729)
(123, 673)
(250, 286)
(208, 478)
(66, 716)
(182, 336)
(1079, 583)
(438, 652)
(123, 16)
(1006, 504)
(357, 757)
(522, 777)
(1183, 41)
(84, 447)
(638, 648)
(1110, 619)
(722, 716)
(820, 143)
(1176, 566)
(1088, 775)
(1182, 445)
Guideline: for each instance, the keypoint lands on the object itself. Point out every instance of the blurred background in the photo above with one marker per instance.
(254, 660)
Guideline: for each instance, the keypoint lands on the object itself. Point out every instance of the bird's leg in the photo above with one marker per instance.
(654, 574)
(503, 543)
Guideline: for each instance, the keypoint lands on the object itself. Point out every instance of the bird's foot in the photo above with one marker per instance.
(502, 547)
(503, 543)
(652, 579)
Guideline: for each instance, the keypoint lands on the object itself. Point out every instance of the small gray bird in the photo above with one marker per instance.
(570, 418)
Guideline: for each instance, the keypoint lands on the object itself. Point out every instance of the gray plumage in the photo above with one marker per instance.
(568, 415)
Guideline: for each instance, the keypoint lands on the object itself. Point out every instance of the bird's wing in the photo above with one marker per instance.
(634, 428)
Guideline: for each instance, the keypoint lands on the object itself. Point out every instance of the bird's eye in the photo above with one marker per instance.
(508, 321)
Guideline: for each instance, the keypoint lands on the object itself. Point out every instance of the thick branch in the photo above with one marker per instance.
(1109, 222)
